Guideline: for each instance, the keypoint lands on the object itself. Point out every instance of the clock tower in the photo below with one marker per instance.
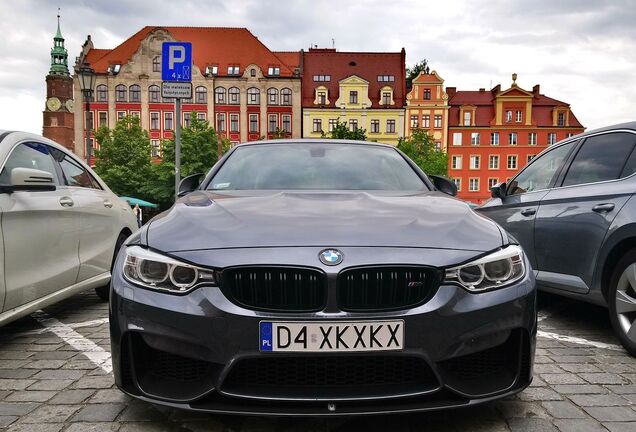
(58, 123)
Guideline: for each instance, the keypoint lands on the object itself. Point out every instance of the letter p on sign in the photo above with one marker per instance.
(176, 61)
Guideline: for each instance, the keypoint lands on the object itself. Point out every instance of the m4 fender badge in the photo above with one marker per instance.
(330, 257)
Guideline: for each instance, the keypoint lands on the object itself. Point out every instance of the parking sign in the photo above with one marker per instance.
(176, 61)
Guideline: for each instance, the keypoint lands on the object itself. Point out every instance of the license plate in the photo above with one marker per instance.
(332, 336)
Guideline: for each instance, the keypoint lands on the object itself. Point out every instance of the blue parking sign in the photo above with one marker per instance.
(176, 61)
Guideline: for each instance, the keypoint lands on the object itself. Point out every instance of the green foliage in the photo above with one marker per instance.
(280, 134)
(198, 155)
(413, 72)
(420, 147)
(123, 159)
(342, 131)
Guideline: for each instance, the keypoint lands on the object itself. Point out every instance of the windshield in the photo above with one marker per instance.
(316, 166)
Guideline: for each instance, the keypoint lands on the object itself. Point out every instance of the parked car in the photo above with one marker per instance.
(60, 225)
(573, 210)
(321, 277)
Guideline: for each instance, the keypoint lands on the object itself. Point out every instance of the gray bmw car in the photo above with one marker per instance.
(321, 277)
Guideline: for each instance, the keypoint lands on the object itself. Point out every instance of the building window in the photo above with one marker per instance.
(474, 138)
(120, 93)
(253, 96)
(272, 96)
(530, 157)
(427, 94)
(551, 138)
(234, 96)
(233, 70)
(121, 115)
(492, 181)
(211, 70)
(508, 116)
(322, 78)
(154, 120)
(473, 185)
(201, 116)
(494, 138)
(154, 94)
(287, 123)
(155, 150)
(167, 121)
(103, 118)
(390, 126)
(273, 123)
(353, 97)
(322, 98)
(156, 64)
(512, 138)
(273, 71)
(438, 121)
(135, 93)
(386, 78)
(438, 145)
(493, 162)
(375, 126)
(353, 125)
(569, 135)
(334, 122)
(519, 116)
(466, 118)
(386, 98)
(253, 123)
(286, 96)
(234, 122)
(219, 95)
(512, 162)
(532, 138)
(426, 121)
(474, 162)
(415, 122)
(186, 119)
(201, 95)
(458, 183)
(220, 122)
(561, 119)
(252, 72)
(102, 93)
(456, 162)
(457, 138)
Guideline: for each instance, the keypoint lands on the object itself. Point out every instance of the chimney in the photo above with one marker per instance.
(450, 91)
(481, 90)
(496, 89)
(535, 90)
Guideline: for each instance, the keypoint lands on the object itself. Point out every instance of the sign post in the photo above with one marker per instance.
(176, 74)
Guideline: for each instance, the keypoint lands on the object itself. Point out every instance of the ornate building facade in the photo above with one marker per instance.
(427, 108)
(494, 133)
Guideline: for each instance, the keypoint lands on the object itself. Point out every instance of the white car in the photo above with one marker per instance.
(60, 225)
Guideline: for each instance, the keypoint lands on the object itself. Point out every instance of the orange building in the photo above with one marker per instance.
(493, 134)
(427, 108)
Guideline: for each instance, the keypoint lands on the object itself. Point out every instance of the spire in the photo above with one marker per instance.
(59, 55)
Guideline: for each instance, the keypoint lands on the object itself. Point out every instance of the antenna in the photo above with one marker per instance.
(333, 43)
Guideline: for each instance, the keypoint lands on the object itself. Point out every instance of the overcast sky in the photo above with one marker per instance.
(582, 52)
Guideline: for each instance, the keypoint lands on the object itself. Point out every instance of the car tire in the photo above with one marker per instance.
(621, 299)
(103, 292)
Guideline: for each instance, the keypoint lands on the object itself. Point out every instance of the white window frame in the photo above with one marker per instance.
(473, 184)
(456, 162)
(475, 162)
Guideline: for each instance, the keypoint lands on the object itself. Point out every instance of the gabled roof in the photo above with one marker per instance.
(221, 46)
(366, 65)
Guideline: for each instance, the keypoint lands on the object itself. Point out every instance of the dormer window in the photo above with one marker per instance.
(561, 119)
(322, 78)
(353, 97)
(273, 71)
(321, 96)
(212, 70)
(467, 118)
(386, 96)
(427, 94)
(156, 64)
(252, 72)
(233, 70)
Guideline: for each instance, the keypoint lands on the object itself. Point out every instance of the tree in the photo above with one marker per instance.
(123, 158)
(420, 147)
(413, 72)
(342, 131)
(198, 155)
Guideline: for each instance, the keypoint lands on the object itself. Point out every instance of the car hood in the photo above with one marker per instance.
(204, 220)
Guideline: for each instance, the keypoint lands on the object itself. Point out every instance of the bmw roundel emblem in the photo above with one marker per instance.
(330, 257)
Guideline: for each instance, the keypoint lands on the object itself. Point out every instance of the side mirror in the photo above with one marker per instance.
(29, 179)
(189, 184)
(498, 190)
(444, 185)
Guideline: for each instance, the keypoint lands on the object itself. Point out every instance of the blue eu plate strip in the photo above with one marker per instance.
(266, 340)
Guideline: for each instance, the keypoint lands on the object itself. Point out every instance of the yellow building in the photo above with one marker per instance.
(363, 90)
(427, 108)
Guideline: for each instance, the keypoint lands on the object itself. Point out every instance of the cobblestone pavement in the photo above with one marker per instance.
(583, 382)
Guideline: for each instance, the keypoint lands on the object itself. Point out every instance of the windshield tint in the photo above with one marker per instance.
(316, 167)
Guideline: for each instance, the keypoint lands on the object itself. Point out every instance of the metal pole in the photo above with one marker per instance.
(177, 150)
(89, 147)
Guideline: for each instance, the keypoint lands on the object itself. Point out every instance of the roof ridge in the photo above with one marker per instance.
(282, 63)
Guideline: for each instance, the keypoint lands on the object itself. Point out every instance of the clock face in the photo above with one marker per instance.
(69, 105)
(53, 104)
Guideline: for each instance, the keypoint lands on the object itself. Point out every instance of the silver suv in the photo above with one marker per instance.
(574, 212)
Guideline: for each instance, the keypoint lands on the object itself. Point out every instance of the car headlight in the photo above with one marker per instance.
(159, 272)
(494, 270)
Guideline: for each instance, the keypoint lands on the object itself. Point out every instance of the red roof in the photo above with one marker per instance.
(341, 65)
(219, 46)
(290, 58)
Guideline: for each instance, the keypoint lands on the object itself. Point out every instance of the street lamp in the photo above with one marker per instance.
(87, 82)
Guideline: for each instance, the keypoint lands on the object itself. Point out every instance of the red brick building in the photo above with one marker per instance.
(492, 134)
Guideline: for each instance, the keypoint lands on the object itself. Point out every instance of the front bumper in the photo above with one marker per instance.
(200, 351)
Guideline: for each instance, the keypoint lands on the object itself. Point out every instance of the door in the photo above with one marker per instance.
(40, 231)
(516, 212)
(573, 219)
(98, 218)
